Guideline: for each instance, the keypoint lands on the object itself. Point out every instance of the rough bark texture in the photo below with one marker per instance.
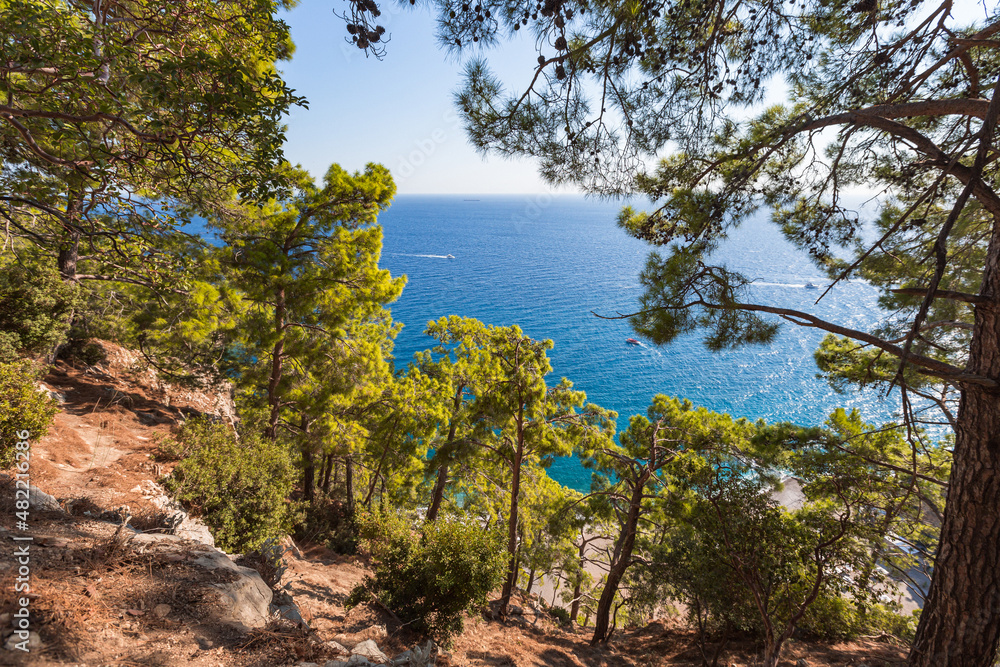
(515, 487)
(277, 357)
(620, 562)
(960, 624)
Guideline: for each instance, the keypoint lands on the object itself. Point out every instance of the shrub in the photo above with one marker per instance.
(327, 521)
(429, 578)
(239, 485)
(23, 407)
(35, 309)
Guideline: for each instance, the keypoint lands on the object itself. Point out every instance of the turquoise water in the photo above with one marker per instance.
(544, 263)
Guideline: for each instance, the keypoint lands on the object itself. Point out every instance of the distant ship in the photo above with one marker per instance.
(631, 341)
(811, 286)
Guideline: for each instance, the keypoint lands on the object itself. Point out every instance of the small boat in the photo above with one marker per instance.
(631, 341)
(449, 257)
(811, 286)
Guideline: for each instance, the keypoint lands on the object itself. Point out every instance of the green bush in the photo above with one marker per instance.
(429, 578)
(23, 408)
(326, 521)
(831, 617)
(239, 486)
(35, 309)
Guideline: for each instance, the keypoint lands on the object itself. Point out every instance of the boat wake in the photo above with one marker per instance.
(406, 254)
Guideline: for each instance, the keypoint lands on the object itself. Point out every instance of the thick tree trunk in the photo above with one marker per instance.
(515, 487)
(960, 623)
(620, 562)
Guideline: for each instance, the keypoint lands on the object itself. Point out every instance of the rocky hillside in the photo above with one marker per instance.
(120, 576)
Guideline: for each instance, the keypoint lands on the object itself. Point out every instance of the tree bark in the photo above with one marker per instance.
(620, 562)
(960, 623)
(349, 481)
(515, 487)
(327, 469)
(308, 475)
(277, 357)
(442, 476)
(574, 608)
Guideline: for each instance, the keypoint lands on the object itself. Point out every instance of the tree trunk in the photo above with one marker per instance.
(515, 487)
(349, 474)
(574, 609)
(960, 623)
(327, 468)
(442, 476)
(620, 562)
(277, 356)
(531, 581)
(442, 480)
(308, 475)
(69, 248)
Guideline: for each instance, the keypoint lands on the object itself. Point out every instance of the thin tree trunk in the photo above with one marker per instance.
(621, 561)
(960, 623)
(277, 357)
(515, 487)
(327, 468)
(349, 473)
(574, 609)
(308, 475)
(442, 476)
(442, 480)
(531, 580)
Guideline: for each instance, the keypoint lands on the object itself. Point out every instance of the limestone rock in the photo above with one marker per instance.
(161, 610)
(41, 501)
(369, 649)
(16, 640)
(339, 648)
(418, 656)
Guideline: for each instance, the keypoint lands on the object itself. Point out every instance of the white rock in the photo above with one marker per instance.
(369, 649)
(358, 661)
(39, 500)
(15, 640)
(339, 648)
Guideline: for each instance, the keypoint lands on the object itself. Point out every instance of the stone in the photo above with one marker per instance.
(39, 500)
(369, 649)
(335, 663)
(339, 648)
(161, 610)
(16, 640)
(358, 661)
(418, 656)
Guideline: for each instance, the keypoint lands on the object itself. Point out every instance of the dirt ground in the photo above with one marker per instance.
(95, 602)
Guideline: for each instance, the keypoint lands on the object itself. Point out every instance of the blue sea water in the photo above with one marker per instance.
(545, 262)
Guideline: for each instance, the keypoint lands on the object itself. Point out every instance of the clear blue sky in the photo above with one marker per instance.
(397, 111)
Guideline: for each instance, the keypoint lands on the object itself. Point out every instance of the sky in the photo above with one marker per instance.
(397, 111)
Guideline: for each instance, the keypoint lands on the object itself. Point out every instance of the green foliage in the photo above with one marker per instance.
(432, 576)
(24, 409)
(239, 484)
(35, 309)
(326, 520)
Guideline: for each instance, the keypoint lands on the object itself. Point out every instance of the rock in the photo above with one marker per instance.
(290, 612)
(369, 649)
(17, 640)
(339, 648)
(307, 664)
(245, 600)
(375, 632)
(335, 663)
(358, 661)
(39, 500)
(161, 610)
(418, 656)
(514, 610)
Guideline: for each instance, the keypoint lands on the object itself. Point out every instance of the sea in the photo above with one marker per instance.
(548, 263)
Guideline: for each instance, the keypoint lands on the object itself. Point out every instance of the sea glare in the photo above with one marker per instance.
(545, 262)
